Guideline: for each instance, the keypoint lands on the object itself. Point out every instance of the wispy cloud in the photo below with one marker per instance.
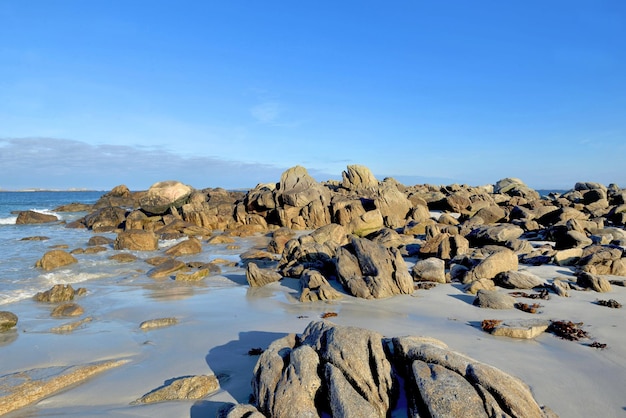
(62, 163)
(267, 112)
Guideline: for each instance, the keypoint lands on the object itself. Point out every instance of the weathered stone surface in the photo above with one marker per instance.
(136, 240)
(196, 275)
(393, 205)
(492, 299)
(8, 320)
(430, 270)
(568, 257)
(166, 268)
(518, 280)
(187, 247)
(29, 386)
(490, 214)
(58, 293)
(280, 237)
(314, 286)
(560, 287)
(123, 257)
(230, 410)
(481, 284)
(105, 219)
(32, 217)
(158, 323)
(369, 270)
(70, 327)
(446, 393)
(358, 177)
(54, 259)
(163, 195)
(494, 234)
(520, 329)
(597, 283)
(67, 309)
(182, 388)
(498, 262)
(258, 277)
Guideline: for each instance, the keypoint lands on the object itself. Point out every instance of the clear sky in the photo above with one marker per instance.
(231, 93)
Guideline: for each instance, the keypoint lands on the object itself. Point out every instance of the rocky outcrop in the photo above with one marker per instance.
(369, 270)
(186, 247)
(314, 286)
(258, 277)
(32, 217)
(332, 370)
(54, 259)
(59, 293)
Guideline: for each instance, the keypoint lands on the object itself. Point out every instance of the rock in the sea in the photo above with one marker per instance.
(258, 277)
(29, 386)
(187, 247)
(8, 320)
(32, 217)
(158, 323)
(369, 270)
(166, 268)
(492, 299)
(54, 259)
(67, 309)
(182, 388)
(163, 195)
(136, 240)
(58, 293)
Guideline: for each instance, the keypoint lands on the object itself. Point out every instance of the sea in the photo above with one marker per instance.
(19, 252)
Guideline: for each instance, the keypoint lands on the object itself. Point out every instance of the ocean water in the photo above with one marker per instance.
(20, 279)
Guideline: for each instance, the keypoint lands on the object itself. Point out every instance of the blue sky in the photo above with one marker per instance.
(231, 93)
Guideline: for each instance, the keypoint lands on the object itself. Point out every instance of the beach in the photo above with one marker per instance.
(221, 318)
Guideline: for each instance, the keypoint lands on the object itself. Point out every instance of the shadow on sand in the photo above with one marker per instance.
(233, 367)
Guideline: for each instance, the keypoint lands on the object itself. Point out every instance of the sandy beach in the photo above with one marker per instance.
(218, 327)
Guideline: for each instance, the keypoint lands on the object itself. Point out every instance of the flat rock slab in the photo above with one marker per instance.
(519, 328)
(26, 387)
(182, 388)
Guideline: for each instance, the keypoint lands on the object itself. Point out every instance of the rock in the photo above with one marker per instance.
(67, 328)
(26, 387)
(166, 268)
(518, 280)
(358, 177)
(490, 214)
(35, 238)
(123, 257)
(187, 247)
(105, 219)
(99, 240)
(280, 237)
(54, 259)
(492, 299)
(521, 328)
(568, 257)
(258, 277)
(158, 323)
(221, 239)
(369, 270)
(393, 205)
(494, 234)
(32, 217)
(8, 320)
(161, 196)
(136, 240)
(441, 389)
(67, 309)
(182, 388)
(492, 265)
(230, 410)
(560, 287)
(196, 275)
(597, 283)
(430, 270)
(58, 293)
(314, 286)
(481, 284)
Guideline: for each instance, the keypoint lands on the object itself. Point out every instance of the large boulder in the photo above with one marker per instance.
(163, 195)
(498, 262)
(54, 259)
(32, 217)
(429, 270)
(494, 234)
(258, 277)
(186, 247)
(105, 219)
(314, 286)
(136, 240)
(358, 177)
(369, 270)
(8, 320)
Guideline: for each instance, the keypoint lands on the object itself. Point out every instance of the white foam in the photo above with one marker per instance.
(8, 221)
